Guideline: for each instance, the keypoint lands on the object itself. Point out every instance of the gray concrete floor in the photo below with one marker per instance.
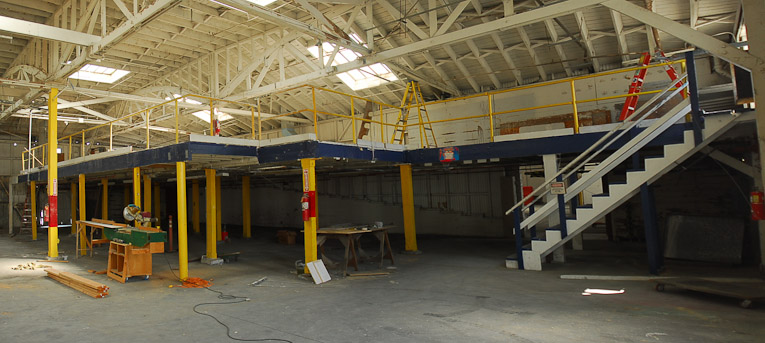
(456, 291)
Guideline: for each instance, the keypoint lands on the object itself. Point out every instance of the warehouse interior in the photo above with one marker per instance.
(382, 170)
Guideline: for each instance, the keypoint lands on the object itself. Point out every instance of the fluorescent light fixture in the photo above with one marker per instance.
(262, 2)
(91, 72)
(366, 77)
(205, 115)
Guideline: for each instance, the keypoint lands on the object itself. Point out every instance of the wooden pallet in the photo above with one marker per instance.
(89, 287)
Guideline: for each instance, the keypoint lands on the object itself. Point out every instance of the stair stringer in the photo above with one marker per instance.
(674, 154)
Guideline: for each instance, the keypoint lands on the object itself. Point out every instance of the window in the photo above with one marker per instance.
(205, 115)
(366, 77)
(96, 73)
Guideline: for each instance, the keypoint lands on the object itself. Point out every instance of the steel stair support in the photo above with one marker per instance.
(697, 121)
(650, 219)
(655, 168)
(626, 151)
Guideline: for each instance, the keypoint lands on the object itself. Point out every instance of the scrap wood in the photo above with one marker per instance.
(369, 274)
(89, 291)
(97, 272)
(30, 266)
(89, 287)
(195, 282)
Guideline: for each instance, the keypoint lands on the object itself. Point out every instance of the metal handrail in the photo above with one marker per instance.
(638, 116)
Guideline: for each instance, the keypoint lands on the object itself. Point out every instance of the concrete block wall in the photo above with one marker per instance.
(465, 204)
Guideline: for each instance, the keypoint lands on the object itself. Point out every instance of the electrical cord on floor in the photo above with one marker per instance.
(223, 296)
(238, 299)
(171, 267)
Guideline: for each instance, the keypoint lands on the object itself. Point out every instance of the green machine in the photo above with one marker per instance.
(136, 237)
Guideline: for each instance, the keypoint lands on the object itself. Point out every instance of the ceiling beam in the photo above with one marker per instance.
(30, 29)
(713, 45)
(122, 31)
(518, 20)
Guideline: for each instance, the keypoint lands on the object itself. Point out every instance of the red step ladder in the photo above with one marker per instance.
(637, 83)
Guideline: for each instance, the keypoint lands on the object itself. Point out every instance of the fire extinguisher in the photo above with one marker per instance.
(758, 206)
(216, 127)
(305, 204)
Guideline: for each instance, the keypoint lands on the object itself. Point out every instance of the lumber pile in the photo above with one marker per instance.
(89, 287)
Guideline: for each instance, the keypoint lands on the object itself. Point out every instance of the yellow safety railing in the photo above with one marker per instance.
(38, 156)
(572, 102)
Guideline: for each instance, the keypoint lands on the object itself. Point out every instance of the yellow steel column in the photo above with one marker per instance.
(52, 174)
(73, 205)
(491, 119)
(157, 202)
(105, 199)
(83, 212)
(218, 210)
(246, 228)
(126, 194)
(147, 194)
(309, 226)
(573, 104)
(33, 206)
(195, 205)
(183, 248)
(137, 189)
(137, 186)
(407, 201)
(210, 213)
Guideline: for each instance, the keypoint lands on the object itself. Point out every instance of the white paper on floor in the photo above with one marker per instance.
(318, 271)
(591, 291)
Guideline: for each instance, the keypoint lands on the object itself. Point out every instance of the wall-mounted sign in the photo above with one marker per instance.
(306, 180)
(558, 187)
(449, 154)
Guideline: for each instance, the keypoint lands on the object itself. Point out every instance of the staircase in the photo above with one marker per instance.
(532, 256)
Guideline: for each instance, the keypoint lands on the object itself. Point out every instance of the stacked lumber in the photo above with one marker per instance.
(89, 287)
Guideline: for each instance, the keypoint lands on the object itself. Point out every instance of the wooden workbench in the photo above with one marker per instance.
(349, 237)
(93, 224)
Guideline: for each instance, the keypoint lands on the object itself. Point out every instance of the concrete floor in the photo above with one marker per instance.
(456, 291)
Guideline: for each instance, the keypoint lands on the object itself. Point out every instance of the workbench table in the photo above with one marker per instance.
(93, 224)
(349, 237)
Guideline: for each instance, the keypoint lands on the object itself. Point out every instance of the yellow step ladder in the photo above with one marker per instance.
(413, 99)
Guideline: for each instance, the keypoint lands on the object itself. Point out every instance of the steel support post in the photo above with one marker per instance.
(210, 209)
(33, 207)
(52, 174)
(518, 237)
(195, 206)
(407, 202)
(218, 210)
(311, 225)
(83, 212)
(183, 246)
(73, 205)
(105, 199)
(697, 121)
(650, 220)
(246, 225)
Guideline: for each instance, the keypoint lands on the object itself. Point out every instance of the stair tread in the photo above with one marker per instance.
(600, 195)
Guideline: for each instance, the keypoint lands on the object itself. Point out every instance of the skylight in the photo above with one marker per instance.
(366, 77)
(262, 2)
(186, 100)
(95, 73)
(205, 115)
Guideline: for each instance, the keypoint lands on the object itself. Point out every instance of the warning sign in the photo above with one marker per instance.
(558, 188)
(306, 180)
